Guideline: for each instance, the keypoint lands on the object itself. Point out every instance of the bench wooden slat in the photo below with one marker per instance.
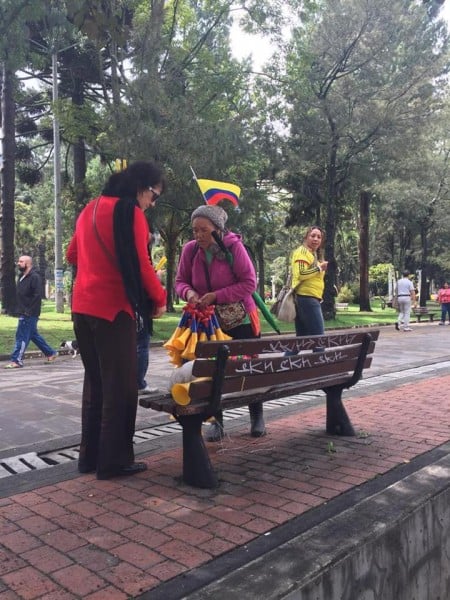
(167, 404)
(262, 363)
(266, 374)
(202, 389)
(285, 343)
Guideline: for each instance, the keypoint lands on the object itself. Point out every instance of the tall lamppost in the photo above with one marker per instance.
(59, 273)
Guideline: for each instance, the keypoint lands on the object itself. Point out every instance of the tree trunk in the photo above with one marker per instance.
(170, 245)
(328, 304)
(364, 211)
(7, 258)
(424, 291)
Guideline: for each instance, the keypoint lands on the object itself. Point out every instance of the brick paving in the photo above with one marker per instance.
(116, 539)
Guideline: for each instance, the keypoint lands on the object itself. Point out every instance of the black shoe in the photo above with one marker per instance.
(397, 327)
(137, 467)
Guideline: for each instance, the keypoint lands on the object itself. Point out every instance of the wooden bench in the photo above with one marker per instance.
(423, 311)
(331, 362)
(342, 305)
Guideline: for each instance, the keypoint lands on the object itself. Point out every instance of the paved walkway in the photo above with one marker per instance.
(64, 535)
(40, 404)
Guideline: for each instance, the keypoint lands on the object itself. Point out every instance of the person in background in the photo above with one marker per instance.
(29, 303)
(143, 345)
(406, 296)
(114, 281)
(308, 272)
(443, 298)
(205, 277)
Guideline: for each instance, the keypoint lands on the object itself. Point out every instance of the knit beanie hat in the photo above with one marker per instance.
(215, 214)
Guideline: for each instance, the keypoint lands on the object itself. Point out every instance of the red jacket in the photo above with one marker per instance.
(99, 289)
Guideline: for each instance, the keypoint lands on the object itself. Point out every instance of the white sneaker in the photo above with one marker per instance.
(407, 329)
(147, 390)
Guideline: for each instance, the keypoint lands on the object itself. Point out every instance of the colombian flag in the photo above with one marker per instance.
(215, 191)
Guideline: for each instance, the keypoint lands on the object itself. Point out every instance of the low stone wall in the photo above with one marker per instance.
(394, 545)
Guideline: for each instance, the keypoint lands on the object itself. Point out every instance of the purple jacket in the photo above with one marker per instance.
(228, 287)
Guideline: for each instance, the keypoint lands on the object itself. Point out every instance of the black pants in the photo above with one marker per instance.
(109, 402)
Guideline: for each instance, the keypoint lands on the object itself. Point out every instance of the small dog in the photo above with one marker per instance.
(71, 345)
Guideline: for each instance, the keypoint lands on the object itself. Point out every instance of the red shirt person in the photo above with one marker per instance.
(114, 282)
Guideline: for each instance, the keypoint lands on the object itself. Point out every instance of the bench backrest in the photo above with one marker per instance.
(318, 362)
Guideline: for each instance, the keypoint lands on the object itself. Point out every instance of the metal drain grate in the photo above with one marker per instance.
(24, 464)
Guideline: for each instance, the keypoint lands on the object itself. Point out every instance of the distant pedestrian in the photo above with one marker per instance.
(308, 273)
(444, 300)
(29, 301)
(143, 338)
(406, 296)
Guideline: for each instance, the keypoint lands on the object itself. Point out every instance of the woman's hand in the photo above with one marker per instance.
(192, 297)
(207, 299)
(159, 311)
(323, 265)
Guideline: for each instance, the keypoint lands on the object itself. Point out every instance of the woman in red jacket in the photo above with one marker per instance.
(114, 283)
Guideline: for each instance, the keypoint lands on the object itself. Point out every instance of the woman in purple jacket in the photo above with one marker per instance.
(205, 277)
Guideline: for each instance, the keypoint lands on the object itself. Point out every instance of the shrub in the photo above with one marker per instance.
(345, 294)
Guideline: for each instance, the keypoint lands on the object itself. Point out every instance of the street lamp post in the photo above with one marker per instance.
(59, 283)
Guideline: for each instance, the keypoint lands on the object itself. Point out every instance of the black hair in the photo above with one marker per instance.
(126, 185)
(136, 178)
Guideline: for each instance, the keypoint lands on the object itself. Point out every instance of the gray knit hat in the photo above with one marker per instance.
(215, 214)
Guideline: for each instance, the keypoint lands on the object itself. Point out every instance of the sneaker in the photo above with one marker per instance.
(51, 358)
(13, 365)
(147, 390)
(441, 323)
(407, 329)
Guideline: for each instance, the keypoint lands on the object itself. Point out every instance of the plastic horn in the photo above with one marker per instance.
(179, 343)
(189, 351)
(220, 335)
(175, 358)
(211, 332)
(162, 261)
(169, 344)
(178, 331)
(180, 391)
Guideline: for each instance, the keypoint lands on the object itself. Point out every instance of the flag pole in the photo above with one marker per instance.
(195, 179)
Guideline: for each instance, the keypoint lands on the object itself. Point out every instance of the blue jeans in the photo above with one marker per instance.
(309, 317)
(27, 332)
(445, 309)
(142, 346)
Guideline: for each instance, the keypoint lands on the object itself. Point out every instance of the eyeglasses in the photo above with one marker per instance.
(156, 194)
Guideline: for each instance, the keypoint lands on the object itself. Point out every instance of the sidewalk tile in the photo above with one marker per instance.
(115, 539)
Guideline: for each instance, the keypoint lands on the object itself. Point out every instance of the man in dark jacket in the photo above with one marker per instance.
(29, 309)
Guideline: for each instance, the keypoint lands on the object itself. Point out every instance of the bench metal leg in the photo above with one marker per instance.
(338, 422)
(197, 467)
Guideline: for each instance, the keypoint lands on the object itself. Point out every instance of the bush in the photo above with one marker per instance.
(345, 294)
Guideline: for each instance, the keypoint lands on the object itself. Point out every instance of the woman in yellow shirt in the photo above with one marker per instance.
(308, 273)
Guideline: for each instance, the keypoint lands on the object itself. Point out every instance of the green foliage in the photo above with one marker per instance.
(379, 278)
(346, 294)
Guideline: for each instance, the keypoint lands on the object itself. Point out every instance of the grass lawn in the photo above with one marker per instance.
(56, 327)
